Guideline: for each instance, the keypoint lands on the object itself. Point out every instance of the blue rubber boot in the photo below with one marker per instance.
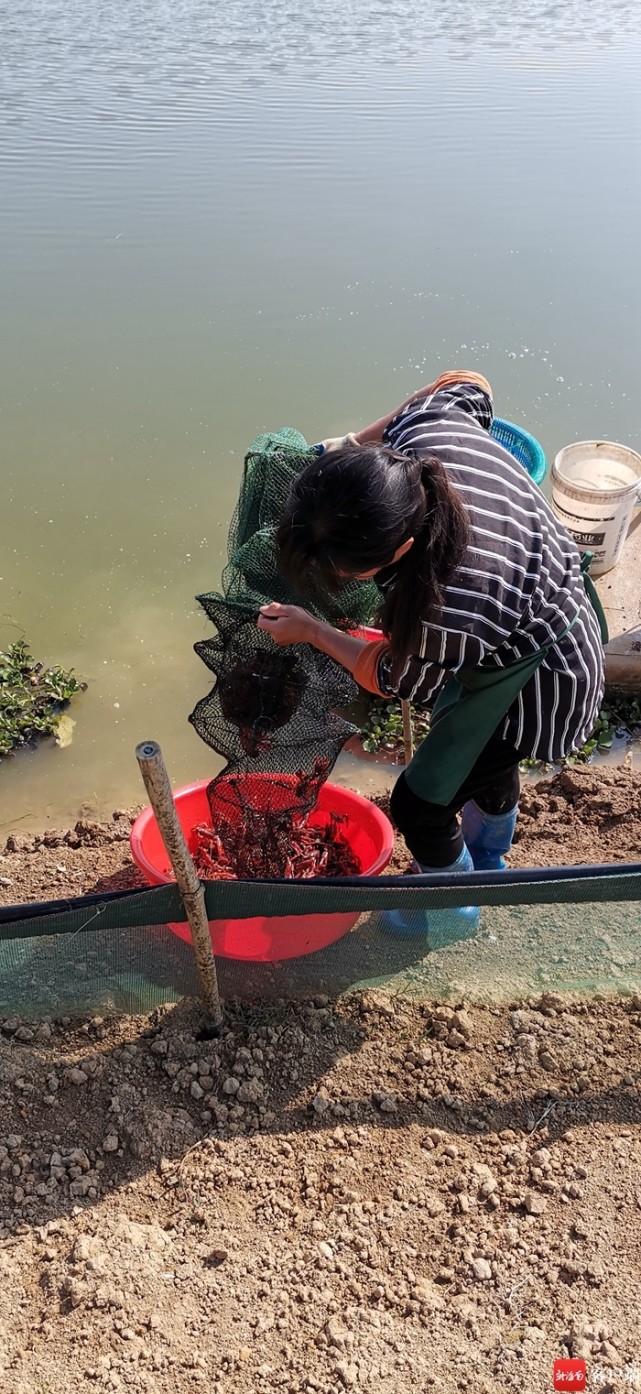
(488, 835)
(440, 927)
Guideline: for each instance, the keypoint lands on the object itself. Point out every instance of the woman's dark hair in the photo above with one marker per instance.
(350, 510)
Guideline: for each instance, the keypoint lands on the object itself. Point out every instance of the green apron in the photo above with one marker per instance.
(469, 709)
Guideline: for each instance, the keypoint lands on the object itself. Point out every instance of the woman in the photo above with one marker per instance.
(479, 584)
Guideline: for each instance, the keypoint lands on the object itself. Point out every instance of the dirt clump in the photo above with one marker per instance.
(584, 815)
(64, 863)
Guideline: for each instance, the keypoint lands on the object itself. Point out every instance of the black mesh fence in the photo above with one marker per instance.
(575, 930)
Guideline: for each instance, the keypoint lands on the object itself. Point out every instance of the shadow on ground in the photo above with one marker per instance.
(88, 1108)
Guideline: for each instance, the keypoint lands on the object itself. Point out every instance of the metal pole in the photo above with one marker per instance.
(408, 734)
(156, 780)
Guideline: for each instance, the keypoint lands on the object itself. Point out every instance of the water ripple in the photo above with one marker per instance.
(162, 62)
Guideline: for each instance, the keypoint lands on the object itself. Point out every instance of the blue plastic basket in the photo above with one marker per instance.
(522, 446)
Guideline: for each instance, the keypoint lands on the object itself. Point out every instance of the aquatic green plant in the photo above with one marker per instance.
(382, 728)
(32, 697)
(619, 719)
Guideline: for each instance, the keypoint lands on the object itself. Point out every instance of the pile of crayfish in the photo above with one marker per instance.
(254, 850)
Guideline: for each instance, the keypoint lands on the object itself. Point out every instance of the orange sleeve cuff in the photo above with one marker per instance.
(451, 378)
(366, 667)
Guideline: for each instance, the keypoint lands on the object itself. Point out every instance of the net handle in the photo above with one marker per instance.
(156, 782)
(408, 733)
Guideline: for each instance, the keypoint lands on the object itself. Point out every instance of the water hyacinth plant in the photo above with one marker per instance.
(382, 729)
(32, 697)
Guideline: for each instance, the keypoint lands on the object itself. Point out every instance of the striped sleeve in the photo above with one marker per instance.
(443, 652)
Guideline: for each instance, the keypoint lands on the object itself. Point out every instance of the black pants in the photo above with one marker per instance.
(432, 831)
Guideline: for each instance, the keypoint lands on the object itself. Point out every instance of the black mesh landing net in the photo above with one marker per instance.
(273, 712)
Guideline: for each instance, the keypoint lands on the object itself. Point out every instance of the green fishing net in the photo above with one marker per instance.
(271, 466)
(273, 710)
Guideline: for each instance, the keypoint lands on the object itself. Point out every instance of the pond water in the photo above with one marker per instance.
(222, 219)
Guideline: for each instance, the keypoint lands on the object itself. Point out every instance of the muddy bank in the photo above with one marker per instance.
(584, 815)
(91, 856)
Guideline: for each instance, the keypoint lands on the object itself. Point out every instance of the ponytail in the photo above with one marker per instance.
(428, 567)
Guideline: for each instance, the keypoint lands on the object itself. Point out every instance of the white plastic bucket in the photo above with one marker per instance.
(595, 488)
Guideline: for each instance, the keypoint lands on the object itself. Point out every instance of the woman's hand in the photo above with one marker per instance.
(287, 624)
(337, 443)
(290, 624)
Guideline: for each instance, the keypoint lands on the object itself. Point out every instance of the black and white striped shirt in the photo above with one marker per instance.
(518, 587)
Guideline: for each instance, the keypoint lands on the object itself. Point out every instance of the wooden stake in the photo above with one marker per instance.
(156, 781)
(408, 734)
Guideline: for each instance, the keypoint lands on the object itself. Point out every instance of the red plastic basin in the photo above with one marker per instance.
(266, 939)
(365, 631)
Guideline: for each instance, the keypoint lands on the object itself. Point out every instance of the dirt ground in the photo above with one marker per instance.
(58, 863)
(369, 1194)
